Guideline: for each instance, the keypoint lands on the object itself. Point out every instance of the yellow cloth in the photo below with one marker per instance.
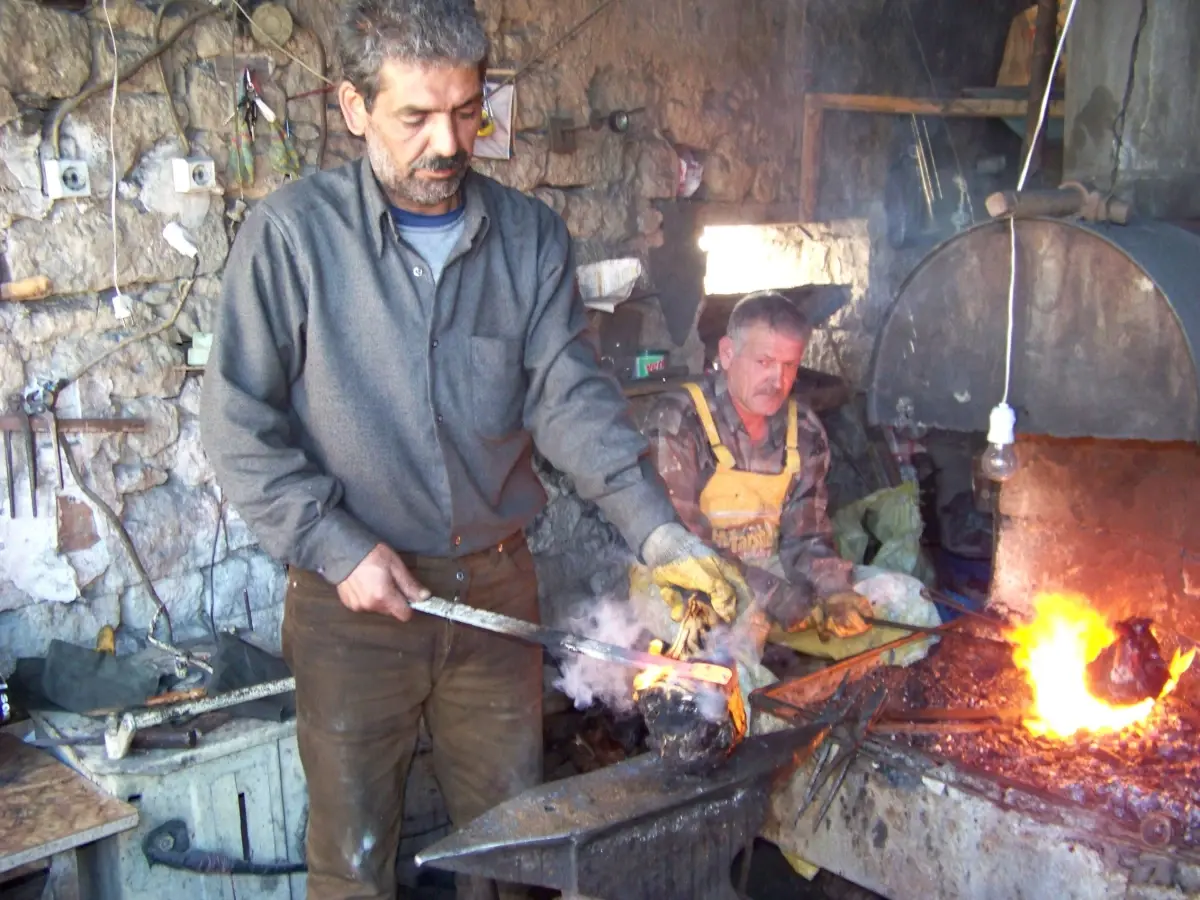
(744, 508)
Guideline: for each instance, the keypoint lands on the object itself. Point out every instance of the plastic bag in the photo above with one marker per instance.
(889, 520)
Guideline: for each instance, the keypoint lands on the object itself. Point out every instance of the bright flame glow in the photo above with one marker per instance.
(1054, 650)
(652, 675)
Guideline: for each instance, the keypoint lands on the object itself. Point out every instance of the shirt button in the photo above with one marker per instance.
(440, 420)
(460, 575)
(457, 540)
(418, 271)
(435, 343)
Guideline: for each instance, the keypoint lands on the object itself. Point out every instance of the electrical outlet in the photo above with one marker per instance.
(194, 175)
(66, 178)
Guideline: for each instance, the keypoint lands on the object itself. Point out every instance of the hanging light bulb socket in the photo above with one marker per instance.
(999, 461)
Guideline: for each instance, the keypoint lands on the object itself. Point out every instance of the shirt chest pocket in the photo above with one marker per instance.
(498, 385)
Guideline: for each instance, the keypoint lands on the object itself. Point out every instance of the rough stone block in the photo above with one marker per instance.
(145, 80)
(168, 543)
(527, 168)
(21, 175)
(727, 175)
(8, 107)
(182, 595)
(597, 160)
(294, 78)
(211, 37)
(189, 463)
(143, 255)
(30, 35)
(127, 17)
(210, 103)
(657, 172)
(142, 120)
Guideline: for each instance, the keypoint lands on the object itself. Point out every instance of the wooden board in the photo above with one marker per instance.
(47, 807)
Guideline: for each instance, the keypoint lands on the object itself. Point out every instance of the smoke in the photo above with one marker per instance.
(588, 681)
(632, 624)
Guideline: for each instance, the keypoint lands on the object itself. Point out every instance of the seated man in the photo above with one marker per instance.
(745, 463)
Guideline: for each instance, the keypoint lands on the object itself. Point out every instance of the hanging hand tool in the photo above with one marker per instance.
(30, 459)
(8, 476)
(562, 642)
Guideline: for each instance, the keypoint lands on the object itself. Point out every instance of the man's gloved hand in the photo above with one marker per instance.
(839, 615)
(680, 561)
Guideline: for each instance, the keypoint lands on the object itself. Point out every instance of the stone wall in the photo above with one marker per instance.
(707, 74)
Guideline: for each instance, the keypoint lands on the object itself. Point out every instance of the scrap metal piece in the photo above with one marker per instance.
(849, 738)
(638, 830)
(119, 731)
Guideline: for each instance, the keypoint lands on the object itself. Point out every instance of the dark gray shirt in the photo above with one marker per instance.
(351, 400)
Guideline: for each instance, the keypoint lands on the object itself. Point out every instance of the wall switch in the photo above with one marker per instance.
(194, 175)
(66, 178)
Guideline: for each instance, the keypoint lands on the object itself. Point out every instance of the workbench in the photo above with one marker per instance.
(47, 810)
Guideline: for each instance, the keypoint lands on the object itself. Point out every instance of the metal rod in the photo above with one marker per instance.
(926, 629)
(560, 641)
(76, 426)
(162, 714)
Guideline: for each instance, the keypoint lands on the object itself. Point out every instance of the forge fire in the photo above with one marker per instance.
(1087, 676)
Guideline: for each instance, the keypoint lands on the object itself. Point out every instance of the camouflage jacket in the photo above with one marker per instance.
(680, 451)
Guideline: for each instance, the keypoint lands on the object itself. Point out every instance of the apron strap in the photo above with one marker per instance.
(792, 462)
(724, 457)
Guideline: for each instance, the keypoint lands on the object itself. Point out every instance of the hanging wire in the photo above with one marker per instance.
(1012, 222)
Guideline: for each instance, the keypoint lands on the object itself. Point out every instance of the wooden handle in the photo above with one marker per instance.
(1055, 202)
(33, 288)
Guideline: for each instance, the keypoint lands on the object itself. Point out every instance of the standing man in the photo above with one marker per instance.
(394, 338)
(745, 463)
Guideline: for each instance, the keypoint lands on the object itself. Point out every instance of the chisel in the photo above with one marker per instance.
(562, 642)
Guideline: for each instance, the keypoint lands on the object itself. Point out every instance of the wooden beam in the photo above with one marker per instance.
(816, 105)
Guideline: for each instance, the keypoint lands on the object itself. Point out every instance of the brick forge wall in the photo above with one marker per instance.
(1115, 521)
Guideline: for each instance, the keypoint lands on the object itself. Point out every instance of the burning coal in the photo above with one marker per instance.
(1055, 650)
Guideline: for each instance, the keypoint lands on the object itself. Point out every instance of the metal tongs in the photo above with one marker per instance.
(848, 722)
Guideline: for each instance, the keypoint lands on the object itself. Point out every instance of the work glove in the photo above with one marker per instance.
(680, 562)
(839, 615)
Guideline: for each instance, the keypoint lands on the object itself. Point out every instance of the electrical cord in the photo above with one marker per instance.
(1012, 222)
(112, 146)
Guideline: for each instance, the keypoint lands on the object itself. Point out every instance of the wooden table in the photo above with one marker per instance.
(47, 810)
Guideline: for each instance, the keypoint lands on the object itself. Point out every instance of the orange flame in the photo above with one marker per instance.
(1054, 650)
(653, 675)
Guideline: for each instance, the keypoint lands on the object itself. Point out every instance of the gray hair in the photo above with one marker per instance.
(421, 32)
(768, 308)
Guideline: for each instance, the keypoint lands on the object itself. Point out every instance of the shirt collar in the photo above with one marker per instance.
(476, 216)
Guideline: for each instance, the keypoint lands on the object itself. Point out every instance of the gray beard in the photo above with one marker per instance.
(408, 189)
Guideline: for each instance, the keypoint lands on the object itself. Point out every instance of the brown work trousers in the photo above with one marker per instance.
(363, 682)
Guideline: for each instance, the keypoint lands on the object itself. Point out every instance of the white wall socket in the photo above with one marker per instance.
(194, 175)
(66, 178)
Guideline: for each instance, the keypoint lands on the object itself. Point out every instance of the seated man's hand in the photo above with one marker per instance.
(681, 561)
(839, 615)
(381, 583)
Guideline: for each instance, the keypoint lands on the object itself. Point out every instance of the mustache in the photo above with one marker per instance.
(441, 163)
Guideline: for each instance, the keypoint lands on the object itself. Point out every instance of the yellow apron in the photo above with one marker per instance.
(744, 508)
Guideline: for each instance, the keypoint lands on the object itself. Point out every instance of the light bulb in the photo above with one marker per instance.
(999, 461)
